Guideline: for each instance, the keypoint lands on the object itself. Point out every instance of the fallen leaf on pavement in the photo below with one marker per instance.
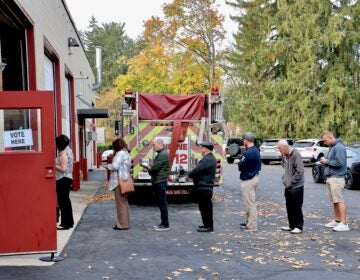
(188, 269)
(100, 197)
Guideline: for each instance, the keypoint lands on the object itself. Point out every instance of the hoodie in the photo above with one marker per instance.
(294, 170)
(336, 166)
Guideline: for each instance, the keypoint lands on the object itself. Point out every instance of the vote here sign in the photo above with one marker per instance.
(18, 138)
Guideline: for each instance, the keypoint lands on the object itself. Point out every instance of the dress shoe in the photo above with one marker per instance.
(204, 229)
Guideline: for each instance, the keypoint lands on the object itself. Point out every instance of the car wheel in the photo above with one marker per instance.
(349, 180)
(233, 149)
(316, 174)
(266, 161)
(230, 160)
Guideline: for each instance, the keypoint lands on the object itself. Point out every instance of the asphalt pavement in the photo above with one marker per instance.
(96, 251)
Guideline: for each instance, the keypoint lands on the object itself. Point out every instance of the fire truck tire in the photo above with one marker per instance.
(233, 149)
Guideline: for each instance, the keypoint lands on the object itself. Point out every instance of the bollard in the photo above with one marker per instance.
(109, 160)
(84, 169)
(98, 159)
(76, 176)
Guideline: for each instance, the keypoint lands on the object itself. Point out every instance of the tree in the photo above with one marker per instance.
(163, 67)
(299, 61)
(196, 25)
(115, 44)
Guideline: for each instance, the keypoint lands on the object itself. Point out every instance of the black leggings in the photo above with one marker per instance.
(63, 187)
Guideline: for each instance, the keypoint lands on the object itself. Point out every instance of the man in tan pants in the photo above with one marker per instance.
(249, 167)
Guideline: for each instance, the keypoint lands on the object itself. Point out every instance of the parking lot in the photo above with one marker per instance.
(96, 251)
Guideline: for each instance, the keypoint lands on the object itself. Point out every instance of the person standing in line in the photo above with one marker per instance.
(64, 178)
(335, 171)
(159, 173)
(120, 169)
(249, 167)
(293, 180)
(204, 179)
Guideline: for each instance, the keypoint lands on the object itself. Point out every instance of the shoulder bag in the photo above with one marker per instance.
(126, 186)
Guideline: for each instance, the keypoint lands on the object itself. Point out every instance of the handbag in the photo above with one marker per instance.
(126, 186)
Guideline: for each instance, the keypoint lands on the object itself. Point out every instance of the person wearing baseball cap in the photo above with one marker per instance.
(249, 167)
(203, 177)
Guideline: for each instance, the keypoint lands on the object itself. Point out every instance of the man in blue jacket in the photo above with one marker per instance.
(335, 171)
(204, 179)
(249, 167)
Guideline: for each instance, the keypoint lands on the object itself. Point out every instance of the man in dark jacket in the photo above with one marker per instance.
(249, 167)
(159, 173)
(204, 179)
(293, 180)
(335, 171)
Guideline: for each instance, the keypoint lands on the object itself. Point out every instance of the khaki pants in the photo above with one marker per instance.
(122, 209)
(248, 189)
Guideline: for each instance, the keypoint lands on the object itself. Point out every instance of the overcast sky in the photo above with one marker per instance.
(132, 12)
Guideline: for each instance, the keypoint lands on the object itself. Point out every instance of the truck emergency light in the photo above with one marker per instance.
(215, 90)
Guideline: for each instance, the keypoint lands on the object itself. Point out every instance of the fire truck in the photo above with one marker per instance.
(182, 122)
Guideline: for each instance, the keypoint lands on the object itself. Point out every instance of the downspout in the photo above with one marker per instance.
(96, 86)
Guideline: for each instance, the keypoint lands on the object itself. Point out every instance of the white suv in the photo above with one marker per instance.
(311, 150)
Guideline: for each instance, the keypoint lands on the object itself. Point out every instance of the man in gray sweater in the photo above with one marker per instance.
(293, 180)
(335, 171)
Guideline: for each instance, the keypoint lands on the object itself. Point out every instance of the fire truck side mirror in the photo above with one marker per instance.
(117, 127)
(145, 143)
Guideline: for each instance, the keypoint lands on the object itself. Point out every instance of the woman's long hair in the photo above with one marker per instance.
(118, 145)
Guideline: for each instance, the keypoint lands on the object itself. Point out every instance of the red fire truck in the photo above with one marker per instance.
(183, 122)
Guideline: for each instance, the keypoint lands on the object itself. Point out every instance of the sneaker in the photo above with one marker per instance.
(341, 227)
(248, 229)
(286, 228)
(332, 224)
(296, 231)
(161, 228)
(243, 225)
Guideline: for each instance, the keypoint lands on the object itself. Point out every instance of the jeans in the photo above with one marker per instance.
(160, 193)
